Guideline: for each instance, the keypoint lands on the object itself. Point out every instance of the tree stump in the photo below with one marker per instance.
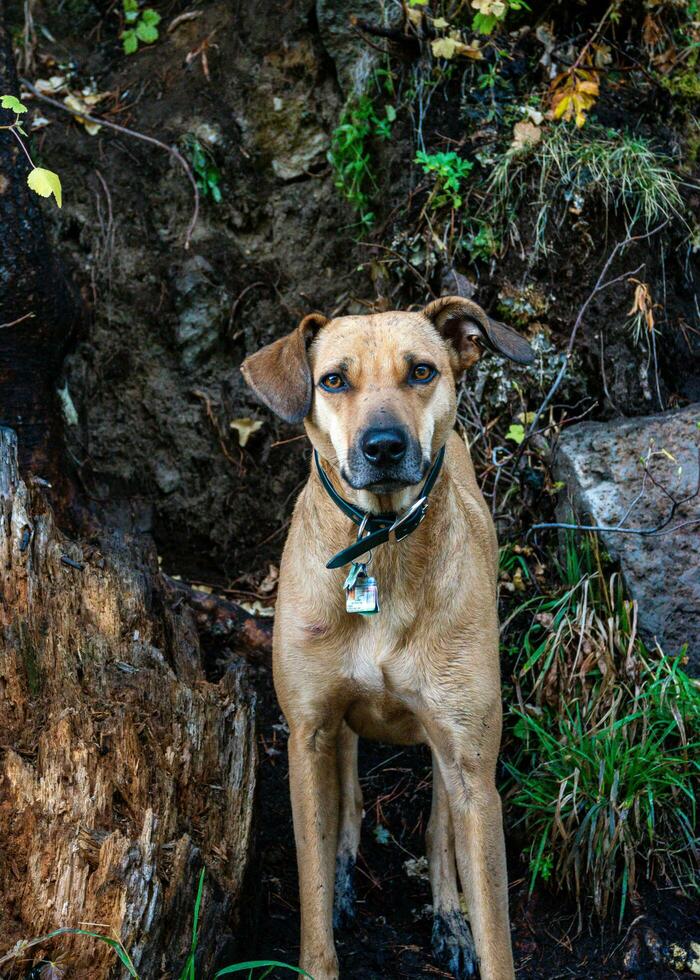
(122, 768)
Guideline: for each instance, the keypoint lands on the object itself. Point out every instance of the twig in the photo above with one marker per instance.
(600, 285)
(661, 528)
(171, 150)
(616, 530)
(19, 319)
(401, 258)
(206, 401)
(237, 301)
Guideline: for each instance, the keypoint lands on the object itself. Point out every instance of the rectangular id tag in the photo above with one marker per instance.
(363, 595)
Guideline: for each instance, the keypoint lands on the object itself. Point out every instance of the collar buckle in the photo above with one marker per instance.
(411, 517)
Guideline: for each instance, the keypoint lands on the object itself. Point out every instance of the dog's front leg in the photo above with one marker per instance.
(467, 765)
(481, 860)
(313, 779)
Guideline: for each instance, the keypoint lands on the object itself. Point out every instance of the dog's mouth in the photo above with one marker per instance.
(384, 484)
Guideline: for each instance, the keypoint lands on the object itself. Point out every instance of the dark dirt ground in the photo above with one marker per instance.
(154, 379)
(391, 935)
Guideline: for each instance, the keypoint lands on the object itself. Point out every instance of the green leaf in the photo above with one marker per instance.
(516, 433)
(13, 104)
(150, 17)
(256, 964)
(484, 23)
(114, 943)
(130, 42)
(146, 33)
(45, 183)
(390, 113)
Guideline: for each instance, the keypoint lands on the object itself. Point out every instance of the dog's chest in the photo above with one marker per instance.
(377, 661)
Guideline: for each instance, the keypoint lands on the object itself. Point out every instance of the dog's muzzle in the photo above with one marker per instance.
(384, 459)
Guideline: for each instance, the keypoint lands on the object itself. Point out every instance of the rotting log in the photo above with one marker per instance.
(122, 768)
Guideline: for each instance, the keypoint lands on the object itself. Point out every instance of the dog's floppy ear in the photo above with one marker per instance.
(462, 322)
(280, 374)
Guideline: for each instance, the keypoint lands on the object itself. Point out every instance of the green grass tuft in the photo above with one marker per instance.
(604, 746)
(620, 172)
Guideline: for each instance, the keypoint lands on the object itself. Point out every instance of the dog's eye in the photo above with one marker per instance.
(332, 382)
(423, 373)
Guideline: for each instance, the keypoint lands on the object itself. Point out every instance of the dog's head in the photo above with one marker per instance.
(377, 392)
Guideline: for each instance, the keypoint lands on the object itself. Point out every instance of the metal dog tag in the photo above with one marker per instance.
(361, 591)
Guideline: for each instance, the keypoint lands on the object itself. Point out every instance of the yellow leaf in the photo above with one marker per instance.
(245, 429)
(562, 105)
(591, 87)
(45, 183)
(440, 22)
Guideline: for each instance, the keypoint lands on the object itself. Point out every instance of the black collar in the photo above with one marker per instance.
(378, 527)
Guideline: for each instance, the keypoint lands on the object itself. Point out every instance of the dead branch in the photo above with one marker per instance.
(250, 635)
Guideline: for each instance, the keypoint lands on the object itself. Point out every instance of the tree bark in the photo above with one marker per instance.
(122, 768)
(35, 292)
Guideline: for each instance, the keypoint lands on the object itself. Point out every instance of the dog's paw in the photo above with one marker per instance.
(453, 945)
(344, 901)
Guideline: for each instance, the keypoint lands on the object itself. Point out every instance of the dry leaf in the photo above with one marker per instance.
(525, 134)
(602, 55)
(83, 103)
(643, 305)
(415, 16)
(450, 47)
(51, 86)
(573, 93)
(245, 429)
(257, 608)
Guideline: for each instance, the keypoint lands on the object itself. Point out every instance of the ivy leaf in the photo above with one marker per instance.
(13, 104)
(130, 42)
(45, 183)
(516, 432)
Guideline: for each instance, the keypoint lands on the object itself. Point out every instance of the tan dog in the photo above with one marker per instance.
(377, 396)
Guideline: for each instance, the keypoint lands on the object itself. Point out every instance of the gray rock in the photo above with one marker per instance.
(355, 60)
(202, 306)
(600, 462)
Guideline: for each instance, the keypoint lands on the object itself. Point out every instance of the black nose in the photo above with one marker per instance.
(384, 446)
